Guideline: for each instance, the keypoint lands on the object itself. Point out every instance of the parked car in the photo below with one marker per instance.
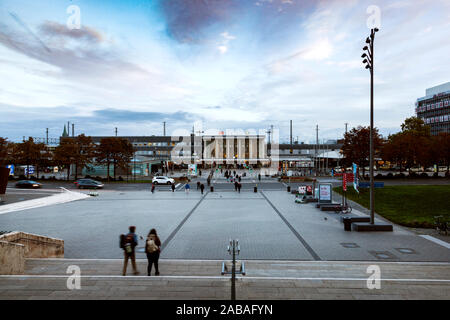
(86, 180)
(162, 180)
(89, 184)
(28, 184)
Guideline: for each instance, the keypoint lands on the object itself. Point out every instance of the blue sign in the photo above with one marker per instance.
(11, 169)
(29, 170)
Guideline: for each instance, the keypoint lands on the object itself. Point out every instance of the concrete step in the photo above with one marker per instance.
(253, 268)
(201, 279)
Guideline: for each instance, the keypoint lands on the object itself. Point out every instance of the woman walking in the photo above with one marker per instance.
(152, 249)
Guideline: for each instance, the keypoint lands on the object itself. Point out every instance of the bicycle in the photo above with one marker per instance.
(346, 208)
(441, 225)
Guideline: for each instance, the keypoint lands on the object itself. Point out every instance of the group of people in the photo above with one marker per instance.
(129, 242)
(171, 185)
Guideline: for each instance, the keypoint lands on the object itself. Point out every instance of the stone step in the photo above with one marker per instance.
(253, 268)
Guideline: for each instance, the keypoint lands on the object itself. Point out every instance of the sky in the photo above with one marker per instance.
(217, 65)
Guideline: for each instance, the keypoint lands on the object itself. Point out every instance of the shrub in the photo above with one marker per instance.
(120, 178)
(389, 175)
(424, 175)
(400, 175)
(379, 176)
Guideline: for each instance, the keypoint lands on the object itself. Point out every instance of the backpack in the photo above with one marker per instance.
(151, 245)
(129, 242)
(122, 241)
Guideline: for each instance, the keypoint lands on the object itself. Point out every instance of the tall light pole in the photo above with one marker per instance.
(368, 61)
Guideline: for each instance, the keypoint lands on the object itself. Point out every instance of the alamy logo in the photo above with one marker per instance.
(74, 20)
(374, 280)
(74, 280)
(374, 20)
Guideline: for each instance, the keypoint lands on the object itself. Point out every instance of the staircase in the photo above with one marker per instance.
(201, 279)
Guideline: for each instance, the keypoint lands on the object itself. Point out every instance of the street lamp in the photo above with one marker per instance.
(368, 61)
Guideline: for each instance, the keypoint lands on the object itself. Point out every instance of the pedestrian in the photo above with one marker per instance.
(239, 187)
(259, 176)
(187, 188)
(152, 250)
(153, 187)
(173, 187)
(236, 186)
(198, 185)
(202, 187)
(239, 178)
(128, 243)
(200, 172)
(208, 181)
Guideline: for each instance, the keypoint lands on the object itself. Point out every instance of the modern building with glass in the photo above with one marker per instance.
(434, 108)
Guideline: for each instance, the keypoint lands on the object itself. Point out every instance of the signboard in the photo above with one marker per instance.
(302, 190)
(11, 169)
(29, 170)
(192, 169)
(325, 193)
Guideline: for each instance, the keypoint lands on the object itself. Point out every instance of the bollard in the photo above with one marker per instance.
(288, 188)
(212, 189)
(255, 189)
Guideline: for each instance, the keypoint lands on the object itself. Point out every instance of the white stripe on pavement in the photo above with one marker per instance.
(435, 240)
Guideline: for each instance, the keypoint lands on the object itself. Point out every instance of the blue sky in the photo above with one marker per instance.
(227, 63)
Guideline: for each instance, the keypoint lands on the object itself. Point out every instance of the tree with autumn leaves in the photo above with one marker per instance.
(414, 146)
(115, 151)
(356, 146)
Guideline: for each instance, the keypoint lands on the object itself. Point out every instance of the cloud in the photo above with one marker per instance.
(74, 52)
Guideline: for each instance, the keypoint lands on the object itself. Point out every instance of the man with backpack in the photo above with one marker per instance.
(128, 243)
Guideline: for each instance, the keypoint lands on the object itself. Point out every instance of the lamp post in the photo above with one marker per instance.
(368, 61)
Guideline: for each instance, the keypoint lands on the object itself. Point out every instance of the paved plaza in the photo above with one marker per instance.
(268, 224)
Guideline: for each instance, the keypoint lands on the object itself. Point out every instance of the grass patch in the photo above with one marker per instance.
(411, 206)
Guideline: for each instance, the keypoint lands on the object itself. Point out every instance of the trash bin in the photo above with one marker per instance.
(288, 188)
(347, 223)
(212, 189)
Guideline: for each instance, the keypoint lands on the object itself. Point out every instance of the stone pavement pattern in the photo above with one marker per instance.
(269, 225)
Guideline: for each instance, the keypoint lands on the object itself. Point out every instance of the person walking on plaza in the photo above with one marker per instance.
(198, 185)
(239, 187)
(152, 249)
(128, 244)
(202, 187)
(187, 187)
(153, 187)
(173, 187)
(236, 185)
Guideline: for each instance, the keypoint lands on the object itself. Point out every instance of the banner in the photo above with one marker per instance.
(355, 177)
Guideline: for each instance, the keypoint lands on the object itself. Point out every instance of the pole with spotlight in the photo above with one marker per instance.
(369, 62)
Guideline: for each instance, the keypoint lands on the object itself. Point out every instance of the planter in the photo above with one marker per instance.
(4, 174)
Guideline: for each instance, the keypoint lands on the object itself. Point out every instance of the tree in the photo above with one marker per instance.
(441, 147)
(5, 150)
(65, 154)
(84, 153)
(116, 151)
(356, 147)
(29, 153)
